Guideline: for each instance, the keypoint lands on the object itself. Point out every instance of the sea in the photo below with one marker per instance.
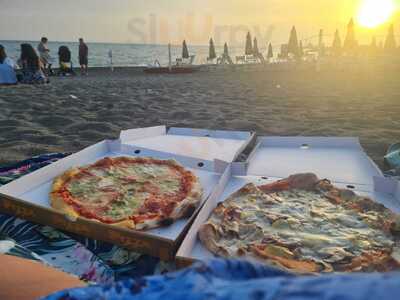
(122, 54)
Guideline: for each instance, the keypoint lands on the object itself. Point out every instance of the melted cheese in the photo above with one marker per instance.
(120, 190)
(307, 221)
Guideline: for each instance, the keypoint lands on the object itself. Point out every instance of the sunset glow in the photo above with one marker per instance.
(373, 13)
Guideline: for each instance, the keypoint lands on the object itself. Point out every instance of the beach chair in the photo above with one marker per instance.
(211, 61)
(65, 62)
(247, 59)
(241, 59)
(185, 61)
(224, 60)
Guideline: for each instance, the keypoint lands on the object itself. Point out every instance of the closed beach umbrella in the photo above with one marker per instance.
(255, 47)
(374, 44)
(226, 52)
(301, 50)
(249, 46)
(321, 44)
(373, 48)
(293, 45)
(185, 51)
(270, 51)
(350, 42)
(390, 42)
(211, 53)
(337, 44)
(169, 57)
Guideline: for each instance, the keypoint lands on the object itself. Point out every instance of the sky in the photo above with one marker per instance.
(163, 21)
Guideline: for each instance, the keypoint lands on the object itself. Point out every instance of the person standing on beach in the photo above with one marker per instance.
(83, 56)
(44, 54)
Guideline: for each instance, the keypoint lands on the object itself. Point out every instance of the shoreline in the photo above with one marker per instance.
(322, 66)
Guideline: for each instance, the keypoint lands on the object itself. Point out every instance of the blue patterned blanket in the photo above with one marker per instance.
(238, 280)
(90, 260)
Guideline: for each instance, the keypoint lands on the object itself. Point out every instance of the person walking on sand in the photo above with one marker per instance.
(44, 54)
(83, 56)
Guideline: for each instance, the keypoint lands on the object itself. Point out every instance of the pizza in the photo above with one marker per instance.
(132, 192)
(305, 225)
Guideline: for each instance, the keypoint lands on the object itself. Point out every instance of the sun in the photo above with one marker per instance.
(373, 13)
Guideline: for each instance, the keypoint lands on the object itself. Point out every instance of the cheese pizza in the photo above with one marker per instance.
(131, 192)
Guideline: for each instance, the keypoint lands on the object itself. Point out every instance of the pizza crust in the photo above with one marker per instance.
(56, 201)
(208, 232)
(183, 209)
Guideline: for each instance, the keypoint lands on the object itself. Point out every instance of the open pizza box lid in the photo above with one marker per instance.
(28, 198)
(198, 143)
(277, 158)
(341, 160)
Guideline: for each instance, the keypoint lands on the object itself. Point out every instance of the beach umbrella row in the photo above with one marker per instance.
(295, 46)
(251, 48)
(350, 43)
(211, 52)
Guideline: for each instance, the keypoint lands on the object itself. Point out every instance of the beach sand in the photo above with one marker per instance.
(74, 112)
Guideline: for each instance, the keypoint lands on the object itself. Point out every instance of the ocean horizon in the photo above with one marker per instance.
(124, 55)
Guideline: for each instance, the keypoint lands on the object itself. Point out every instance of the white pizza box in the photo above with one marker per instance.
(385, 191)
(28, 198)
(341, 160)
(199, 143)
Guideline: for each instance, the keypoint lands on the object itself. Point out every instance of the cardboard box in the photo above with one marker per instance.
(28, 197)
(341, 160)
(197, 143)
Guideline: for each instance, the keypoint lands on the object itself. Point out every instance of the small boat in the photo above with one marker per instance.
(172, 70)
(179, 68)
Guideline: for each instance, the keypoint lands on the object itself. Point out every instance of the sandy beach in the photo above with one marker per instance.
(73, 112)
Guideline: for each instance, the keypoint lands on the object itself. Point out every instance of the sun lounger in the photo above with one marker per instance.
(248, 59)
(185, 61)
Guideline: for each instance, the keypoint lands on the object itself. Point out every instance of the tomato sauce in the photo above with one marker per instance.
(154, 206)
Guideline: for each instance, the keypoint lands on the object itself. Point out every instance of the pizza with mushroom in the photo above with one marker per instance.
(305, 225)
